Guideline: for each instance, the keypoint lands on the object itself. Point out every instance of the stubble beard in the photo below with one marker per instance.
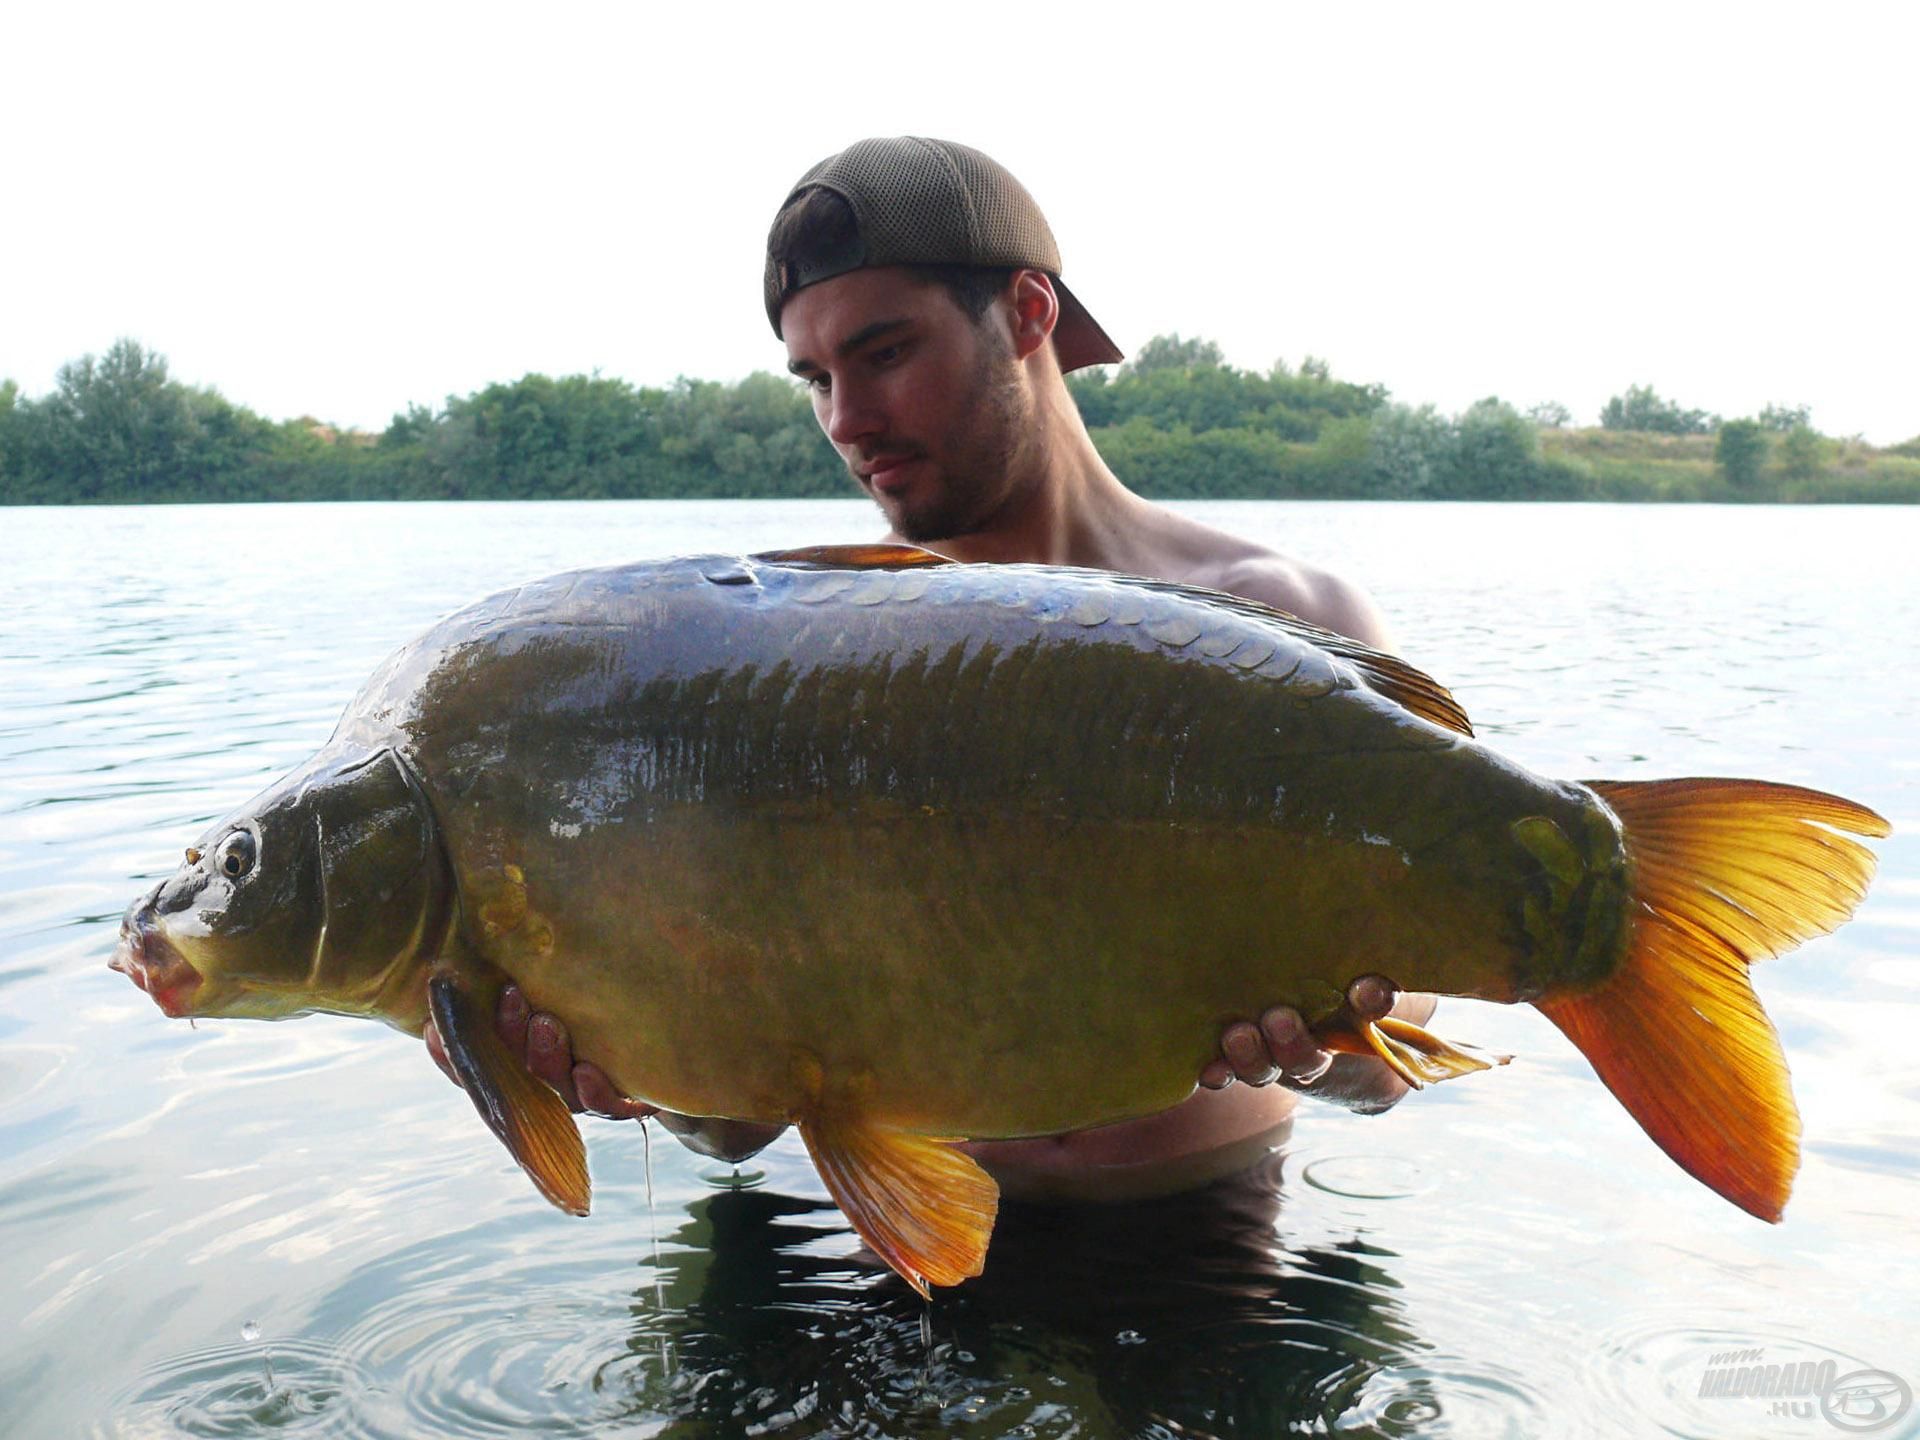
(985, 451)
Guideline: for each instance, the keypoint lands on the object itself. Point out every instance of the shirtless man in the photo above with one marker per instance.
(917, 288)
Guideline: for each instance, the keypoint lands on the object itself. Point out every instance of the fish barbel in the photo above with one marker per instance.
(903, 851)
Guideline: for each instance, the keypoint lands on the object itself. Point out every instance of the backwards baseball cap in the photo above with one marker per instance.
(932, 202)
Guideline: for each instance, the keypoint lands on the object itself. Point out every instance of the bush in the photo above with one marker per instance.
(1496, 454)
(1741, 452)
(1801, 452)
(1641, 409)
(1409, 452)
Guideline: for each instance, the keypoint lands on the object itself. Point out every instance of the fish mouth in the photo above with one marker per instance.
(148, 958)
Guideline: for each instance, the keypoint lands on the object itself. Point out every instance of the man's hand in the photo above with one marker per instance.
(543, 1045)
(1281, 1048)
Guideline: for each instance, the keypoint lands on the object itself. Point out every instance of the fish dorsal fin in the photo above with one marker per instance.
(855, 557)
(1388, 675)
(528, 1117)
(921, 1205)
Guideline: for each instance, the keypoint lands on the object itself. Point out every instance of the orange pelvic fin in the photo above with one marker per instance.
(527, 1116)
(921, 1205)
(1725, 872)
(1417, 1056)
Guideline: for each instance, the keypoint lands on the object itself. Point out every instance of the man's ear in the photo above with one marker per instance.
(1036, 310)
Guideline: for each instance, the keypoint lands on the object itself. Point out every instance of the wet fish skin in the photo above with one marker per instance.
(896, 849)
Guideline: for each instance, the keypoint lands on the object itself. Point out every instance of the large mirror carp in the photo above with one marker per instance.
(903, 851)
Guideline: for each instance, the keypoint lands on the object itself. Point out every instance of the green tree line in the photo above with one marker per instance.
(1175, 421)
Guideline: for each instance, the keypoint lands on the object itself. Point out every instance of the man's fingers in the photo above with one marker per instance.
(598, 1096)
(510, 1019)
(541, 1043)
(1244, 1048)
(1411, 1006)
(550, 1056)
(1370, 997)
(1295, 1048)
(1216, 1075)
(1287, 1039)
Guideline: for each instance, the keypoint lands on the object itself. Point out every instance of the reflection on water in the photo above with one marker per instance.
(1504, 1256)
(1185, 1313)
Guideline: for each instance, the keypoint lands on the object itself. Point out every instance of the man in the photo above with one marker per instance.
(917, 287)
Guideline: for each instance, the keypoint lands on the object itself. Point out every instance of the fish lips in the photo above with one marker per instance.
(146, 957)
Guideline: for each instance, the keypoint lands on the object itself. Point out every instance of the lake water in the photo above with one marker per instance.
(248, 1229)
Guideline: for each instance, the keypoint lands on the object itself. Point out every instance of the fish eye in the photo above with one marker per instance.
(236, 854)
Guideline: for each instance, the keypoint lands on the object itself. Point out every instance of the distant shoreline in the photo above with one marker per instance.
(1174, 423)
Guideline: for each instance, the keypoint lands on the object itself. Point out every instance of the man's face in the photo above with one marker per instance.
(925, 405)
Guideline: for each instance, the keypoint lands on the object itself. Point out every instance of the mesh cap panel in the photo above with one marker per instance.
(932, 202)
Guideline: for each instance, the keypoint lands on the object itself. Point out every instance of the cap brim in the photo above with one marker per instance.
(1078, 340)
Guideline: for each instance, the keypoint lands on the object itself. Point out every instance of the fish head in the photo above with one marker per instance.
(326, 892)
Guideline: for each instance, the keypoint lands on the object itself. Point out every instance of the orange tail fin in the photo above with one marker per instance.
(1726, 872)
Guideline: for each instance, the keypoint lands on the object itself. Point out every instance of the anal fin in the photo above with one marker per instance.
(922, 1206)
(1417, 1056)
(530, 1119)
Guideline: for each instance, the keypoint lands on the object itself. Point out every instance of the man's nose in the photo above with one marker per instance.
(852, 415)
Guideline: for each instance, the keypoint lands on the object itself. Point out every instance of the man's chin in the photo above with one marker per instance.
(921, 524)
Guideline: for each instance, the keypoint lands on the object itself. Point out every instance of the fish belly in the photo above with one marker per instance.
(997, 970)
(983, 977)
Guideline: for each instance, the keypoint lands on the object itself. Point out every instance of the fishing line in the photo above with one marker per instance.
(653, 1233)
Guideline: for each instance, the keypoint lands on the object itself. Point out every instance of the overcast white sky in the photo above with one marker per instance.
(340, 209)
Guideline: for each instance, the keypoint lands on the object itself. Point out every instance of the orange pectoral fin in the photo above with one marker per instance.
(921, 1205)
(528, 1117)
(1417, 1056)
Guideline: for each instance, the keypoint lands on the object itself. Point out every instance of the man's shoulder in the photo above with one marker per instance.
(1318, 596)
(1330, 601)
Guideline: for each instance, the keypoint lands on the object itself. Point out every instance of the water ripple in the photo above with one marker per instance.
(291, 1388)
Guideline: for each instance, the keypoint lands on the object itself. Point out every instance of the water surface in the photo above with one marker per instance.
(183, 1208)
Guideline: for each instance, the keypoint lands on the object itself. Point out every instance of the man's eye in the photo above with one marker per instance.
(885, 355)
(819, 384)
